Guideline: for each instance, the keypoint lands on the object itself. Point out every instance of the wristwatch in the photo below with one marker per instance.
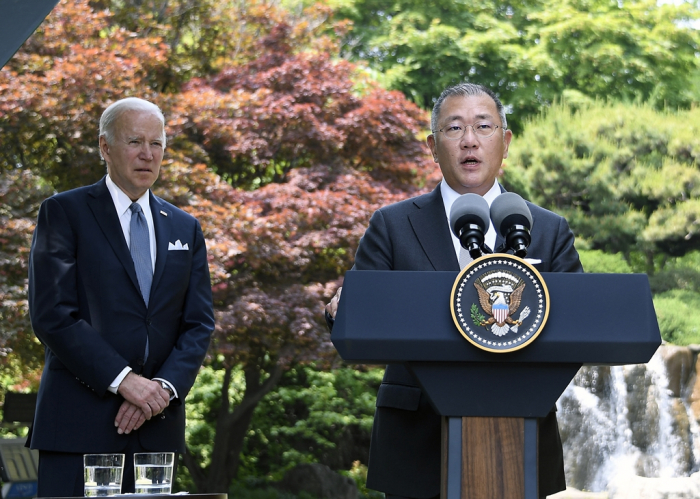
(167, 387)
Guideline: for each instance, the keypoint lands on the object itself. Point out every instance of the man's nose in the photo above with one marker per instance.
(146, 152)
(469, 139)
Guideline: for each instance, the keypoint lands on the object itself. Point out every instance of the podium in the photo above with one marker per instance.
(490, 401)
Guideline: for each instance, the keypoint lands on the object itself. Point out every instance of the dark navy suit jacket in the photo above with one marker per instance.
(405, 448)
(86, 308)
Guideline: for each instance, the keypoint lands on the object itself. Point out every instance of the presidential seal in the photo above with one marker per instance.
(500, 303)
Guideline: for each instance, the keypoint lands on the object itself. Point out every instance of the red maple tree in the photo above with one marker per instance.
(282, 156)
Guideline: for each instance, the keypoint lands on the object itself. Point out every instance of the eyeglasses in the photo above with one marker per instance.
(483, 129)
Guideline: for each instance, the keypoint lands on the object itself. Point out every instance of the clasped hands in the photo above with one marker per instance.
(143, 399)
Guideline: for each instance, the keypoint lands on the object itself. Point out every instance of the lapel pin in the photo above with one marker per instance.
(163, 213)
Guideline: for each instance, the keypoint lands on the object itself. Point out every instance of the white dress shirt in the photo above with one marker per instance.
(449, 196)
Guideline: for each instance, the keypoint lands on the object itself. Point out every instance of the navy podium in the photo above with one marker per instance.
(489, 401)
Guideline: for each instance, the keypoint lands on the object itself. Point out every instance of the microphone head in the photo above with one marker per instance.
(469, 209)
(509, 209)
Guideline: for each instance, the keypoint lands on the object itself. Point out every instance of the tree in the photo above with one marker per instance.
(313, 157)
(282, 157)
(21, 357)
(54, 90)
(624, 175)
(530, 52)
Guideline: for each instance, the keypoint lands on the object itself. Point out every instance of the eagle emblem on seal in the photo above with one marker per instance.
(499, 296)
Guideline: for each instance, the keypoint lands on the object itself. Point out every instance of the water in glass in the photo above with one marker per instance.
(153, 478)
(102, 480)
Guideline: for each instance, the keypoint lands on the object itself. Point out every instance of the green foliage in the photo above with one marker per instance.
(597, 262)
(529, 52)
(312, 416)
(624, 175)
(358, 472)
(678, 274)
(677, 313)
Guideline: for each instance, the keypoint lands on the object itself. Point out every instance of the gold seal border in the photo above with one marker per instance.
(520, 261)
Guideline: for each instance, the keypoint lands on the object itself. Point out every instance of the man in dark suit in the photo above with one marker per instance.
(469, 141)
(120, 296)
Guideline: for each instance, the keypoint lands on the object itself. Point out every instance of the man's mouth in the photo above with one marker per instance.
(470, 161)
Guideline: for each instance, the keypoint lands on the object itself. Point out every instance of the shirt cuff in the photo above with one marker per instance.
(170, 385)
(118, 380)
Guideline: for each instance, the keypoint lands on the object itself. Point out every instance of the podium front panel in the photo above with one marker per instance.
(396, 316)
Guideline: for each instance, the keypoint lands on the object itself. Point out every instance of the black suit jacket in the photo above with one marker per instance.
(86, 308)
(405, 448)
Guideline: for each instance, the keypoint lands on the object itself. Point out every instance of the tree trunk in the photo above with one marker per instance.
(231, 429)
(651, 268)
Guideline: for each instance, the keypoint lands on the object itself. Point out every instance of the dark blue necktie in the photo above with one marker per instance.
(141, 250)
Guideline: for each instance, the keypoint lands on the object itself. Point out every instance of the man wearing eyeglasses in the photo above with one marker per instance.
(469, 141)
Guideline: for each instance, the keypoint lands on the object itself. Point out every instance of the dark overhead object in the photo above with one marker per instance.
(18, 20)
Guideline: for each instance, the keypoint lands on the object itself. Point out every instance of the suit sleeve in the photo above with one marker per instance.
(54, 303)
(565, 257)
(375, 251)
(196, 325)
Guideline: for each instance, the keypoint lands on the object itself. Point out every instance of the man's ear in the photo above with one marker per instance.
(431, 144)
(104, 147)
(506, 142)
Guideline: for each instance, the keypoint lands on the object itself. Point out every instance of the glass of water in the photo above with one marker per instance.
(153, 472)
(103, 474)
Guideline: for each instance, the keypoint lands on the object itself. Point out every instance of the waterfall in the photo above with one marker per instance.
(624, 420)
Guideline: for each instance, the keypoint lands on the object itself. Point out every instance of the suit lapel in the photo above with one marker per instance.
(162, 222)
(430, 225)
(102, 206)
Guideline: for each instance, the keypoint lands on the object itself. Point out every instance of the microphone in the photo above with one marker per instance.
(469, 220)
(513, 221)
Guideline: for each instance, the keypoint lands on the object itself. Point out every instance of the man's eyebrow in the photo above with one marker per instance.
(140, 137)
(461, 118)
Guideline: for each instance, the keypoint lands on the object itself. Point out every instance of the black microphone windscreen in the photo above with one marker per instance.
(469, 208)
(512, 207)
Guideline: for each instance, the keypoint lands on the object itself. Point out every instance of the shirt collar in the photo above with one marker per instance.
(122, 201)
(449, 195)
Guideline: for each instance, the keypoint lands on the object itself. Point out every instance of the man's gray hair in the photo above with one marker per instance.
(116, 109)
(464, 90)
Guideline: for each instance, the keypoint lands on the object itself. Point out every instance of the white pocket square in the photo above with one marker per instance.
(178, 246)
(531, 261)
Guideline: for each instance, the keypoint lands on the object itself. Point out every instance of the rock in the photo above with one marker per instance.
(587, 434)
(681, 433)
(642, 405)
(595, 379)
(695, 348)
(627, 487)
(679, 366)
(694, 390)
(318, 480)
